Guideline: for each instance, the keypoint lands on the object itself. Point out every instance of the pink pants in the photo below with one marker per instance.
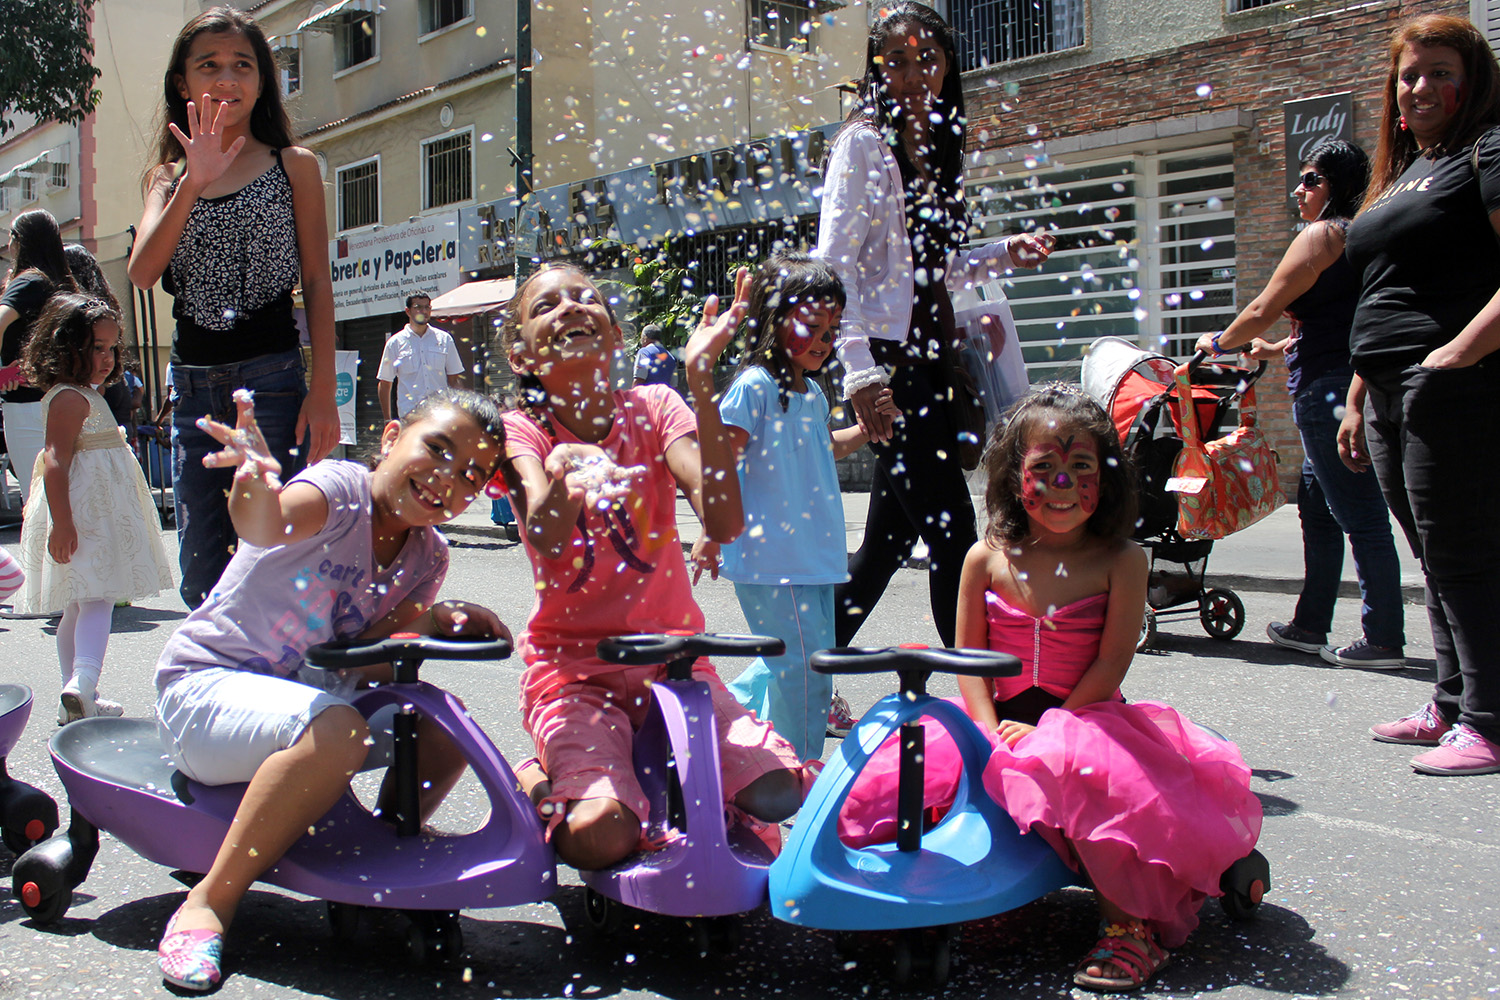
(584, 732)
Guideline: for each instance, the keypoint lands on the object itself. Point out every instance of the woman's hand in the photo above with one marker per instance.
(876, 411)
(463, 618)
(245, 448)
(1011, 732)
(1205, 345)
(1352, 450)
(318, 426)
(1030, 250)
(706, 556)
(62, 541)
(715, 331)
(203, 149)
(1448, 356)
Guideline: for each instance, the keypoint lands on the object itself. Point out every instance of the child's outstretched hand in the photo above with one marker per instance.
(715, 331)
(706, 556)
(1011, 731)
(245, 448)
(463, 618)
(590, 475)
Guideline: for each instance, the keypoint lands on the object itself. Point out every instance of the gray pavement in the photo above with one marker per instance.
(1382, 880)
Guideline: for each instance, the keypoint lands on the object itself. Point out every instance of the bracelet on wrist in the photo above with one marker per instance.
(1218, 350)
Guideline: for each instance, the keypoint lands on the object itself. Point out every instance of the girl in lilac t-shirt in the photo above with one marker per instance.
(340, 551)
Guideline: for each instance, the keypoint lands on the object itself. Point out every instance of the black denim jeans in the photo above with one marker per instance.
(1431, 434)
(919, 492)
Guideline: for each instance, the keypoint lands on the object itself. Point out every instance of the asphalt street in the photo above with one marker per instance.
(1383, 880)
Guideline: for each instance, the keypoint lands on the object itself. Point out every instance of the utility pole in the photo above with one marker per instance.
(523, 155)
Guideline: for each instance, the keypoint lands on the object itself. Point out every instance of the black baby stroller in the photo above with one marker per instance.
(1137, 389)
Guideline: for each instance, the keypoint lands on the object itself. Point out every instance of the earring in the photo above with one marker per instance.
(1402, 122)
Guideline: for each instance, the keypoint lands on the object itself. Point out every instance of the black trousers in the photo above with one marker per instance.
(918, 492)
(1431, 434)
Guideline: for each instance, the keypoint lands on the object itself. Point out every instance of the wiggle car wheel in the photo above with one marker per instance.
(1148, 631)
(1244, 885)
(604, 915)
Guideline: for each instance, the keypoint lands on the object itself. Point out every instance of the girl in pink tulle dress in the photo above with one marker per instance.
(1148, 806)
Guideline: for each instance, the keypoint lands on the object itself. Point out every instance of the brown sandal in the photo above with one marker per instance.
(1131, 947)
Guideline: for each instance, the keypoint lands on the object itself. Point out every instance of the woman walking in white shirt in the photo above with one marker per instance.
(893, 226)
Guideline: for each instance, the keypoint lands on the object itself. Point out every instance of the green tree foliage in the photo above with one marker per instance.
(46, 67)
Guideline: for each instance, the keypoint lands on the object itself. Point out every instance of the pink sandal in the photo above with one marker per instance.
(1131, 947)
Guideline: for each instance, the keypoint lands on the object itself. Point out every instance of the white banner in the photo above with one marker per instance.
(373, 272)
(346, 377)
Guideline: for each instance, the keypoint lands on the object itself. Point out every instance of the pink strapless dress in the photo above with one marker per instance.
(1153, 808)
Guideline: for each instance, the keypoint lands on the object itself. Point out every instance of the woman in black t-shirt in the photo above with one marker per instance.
(1426, 399)
(1316, 289)
(38, 269)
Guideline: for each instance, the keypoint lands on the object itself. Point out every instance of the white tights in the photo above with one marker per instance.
(82, 637)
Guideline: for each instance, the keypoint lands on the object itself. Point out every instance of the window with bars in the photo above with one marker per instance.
(354, 41)
(439, 14)
(57, 175)
(359, 194)
(1145, 251)
(1235, 6)
(997, 31)
(782, 24)
(288, 69)
(448, 169)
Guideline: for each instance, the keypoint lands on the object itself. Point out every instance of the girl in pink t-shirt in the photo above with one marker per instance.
(593, 475)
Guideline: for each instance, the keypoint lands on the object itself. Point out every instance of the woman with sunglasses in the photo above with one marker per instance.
(1316, 288)
(1426, 399)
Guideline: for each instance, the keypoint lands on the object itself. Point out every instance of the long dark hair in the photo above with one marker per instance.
(268, 119)
(784, 281)
(88, 276)
(1345, 168)
(876, 107)
(62, 340)
(1479, 110)
(1064, 409)
(39, 247)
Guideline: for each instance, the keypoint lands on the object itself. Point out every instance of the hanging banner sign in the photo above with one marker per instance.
(1309, 122)
(374, 272)
(346, 376)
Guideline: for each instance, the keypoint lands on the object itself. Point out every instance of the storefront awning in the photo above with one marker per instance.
(345, 10)
(473, 298)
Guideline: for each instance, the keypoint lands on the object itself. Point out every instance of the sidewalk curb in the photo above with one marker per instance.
(1410, 593)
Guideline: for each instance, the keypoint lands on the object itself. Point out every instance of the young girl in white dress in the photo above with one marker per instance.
(90, 535)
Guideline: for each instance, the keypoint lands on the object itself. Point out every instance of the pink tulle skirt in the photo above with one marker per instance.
(1153, 808)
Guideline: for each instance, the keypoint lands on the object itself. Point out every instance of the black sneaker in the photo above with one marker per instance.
(1292, 637)
(1362, 653)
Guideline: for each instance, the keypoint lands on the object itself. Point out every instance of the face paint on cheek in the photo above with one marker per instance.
(798, 337)
(1033, 490)
(1088, 493)
(1453, 96)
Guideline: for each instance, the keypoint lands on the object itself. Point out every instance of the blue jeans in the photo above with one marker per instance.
(785, 690)
(1332, 502)
(205, 536)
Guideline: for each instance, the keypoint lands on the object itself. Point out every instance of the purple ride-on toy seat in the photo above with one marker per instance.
(119, 780)
(706, 866)
(27, 815)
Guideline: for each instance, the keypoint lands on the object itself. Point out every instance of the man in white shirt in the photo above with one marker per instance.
(420, 359)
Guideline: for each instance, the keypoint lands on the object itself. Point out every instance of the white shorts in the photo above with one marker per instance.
(219, 725)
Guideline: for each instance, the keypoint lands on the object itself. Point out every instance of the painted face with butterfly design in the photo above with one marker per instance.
(1060, 479)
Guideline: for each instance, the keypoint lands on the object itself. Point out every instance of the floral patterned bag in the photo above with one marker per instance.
(1226, 485)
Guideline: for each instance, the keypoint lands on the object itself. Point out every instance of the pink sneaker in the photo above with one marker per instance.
(1424, 727)
(1461, 751)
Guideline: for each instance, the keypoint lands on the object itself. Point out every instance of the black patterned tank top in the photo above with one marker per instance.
(233, 273)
